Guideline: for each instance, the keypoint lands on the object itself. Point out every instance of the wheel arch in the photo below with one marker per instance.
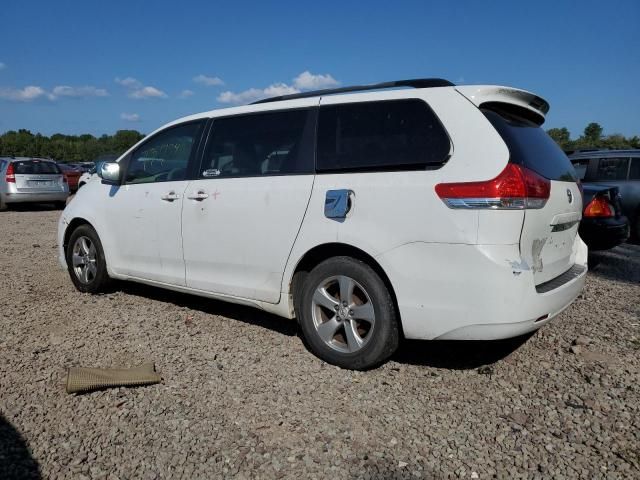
(324, 251)
(73, 224)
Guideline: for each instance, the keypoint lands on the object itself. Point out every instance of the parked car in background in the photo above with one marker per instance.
(31, 180)
(438, 211)
(602, 226)
(614, 168)
(72, 174)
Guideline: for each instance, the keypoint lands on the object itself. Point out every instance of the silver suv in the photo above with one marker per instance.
(25, 179)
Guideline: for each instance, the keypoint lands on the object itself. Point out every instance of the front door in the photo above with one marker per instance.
(145, 212)
(242, 216)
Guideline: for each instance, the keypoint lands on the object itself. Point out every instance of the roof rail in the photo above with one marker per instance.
(415, 83)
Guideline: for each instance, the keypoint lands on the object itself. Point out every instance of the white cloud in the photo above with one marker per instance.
(253, 94)
(308, 81)
(130, 117)
(85, 91)
(147, 92)
(305, 81)
(186, 94)
(25, 94)
(3, 66)
(128, 82)
(137, 90)
(208, 81)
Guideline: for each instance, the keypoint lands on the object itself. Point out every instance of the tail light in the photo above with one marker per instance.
(515, 188)
(10, 176)
(599, 207)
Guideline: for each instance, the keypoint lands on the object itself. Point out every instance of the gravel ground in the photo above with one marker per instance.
(243, 398)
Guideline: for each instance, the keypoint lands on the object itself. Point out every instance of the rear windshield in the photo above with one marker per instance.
(531, 147)
(34, 167)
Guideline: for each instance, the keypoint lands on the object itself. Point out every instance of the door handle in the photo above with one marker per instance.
(199, 195)
(170, 197)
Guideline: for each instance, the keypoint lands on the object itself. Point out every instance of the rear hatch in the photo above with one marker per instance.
(548, 232)
(37, 176)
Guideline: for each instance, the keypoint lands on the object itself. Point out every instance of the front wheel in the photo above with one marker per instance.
(347, 314)
(86, 262)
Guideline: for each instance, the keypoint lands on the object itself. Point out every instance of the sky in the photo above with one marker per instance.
(77, 67)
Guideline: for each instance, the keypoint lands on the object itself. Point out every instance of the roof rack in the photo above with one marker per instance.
(415, 83)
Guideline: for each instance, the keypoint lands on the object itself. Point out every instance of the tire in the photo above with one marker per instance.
(60, 205)
(3, 206)
(88, 252)
(358, 336)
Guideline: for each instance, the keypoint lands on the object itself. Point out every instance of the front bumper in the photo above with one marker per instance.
(474, 292)
(604, 233)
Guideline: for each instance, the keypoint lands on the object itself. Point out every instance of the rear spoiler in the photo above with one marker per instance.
(520, 102)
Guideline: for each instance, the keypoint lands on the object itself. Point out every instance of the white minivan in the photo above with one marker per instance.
(368, 213)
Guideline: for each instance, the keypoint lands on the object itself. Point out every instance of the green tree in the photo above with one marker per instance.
(593, 133)
(23, 143)
(561, 136)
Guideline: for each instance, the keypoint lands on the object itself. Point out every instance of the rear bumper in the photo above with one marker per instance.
(34, 197)
(474, 292)
(604, 233)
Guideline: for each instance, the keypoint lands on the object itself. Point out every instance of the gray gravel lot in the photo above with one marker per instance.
(243, 398)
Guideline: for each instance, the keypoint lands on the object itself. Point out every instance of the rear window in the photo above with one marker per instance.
(385, 135)
(531, 147)
(634, 171)
(612, 169)
(34, 167)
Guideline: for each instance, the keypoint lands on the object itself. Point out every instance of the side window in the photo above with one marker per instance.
(384, 135)
(273, 143)
(634, 172)
(612, 169)
(580, 167)
(165, 156)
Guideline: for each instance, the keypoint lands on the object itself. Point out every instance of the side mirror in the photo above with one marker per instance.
(109, 172)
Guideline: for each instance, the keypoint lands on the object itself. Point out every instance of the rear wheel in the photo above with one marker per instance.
(85, 261)
(347, 314)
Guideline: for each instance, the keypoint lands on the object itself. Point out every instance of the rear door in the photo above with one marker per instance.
(38, 176)
(549, 233)
(243, 213)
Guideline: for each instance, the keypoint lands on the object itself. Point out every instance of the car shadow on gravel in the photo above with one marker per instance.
(249, 315)
(621, 264)
(16, 461)
(457, 354)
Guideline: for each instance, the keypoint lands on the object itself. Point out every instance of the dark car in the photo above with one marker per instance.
(613, 168)
(603, 226)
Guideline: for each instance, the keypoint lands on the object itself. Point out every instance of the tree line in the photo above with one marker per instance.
(78, 148)
(592, 137)
(67, 148)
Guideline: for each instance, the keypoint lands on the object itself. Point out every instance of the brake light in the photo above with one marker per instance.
(10, 176)
(515, 188)
(599, 207)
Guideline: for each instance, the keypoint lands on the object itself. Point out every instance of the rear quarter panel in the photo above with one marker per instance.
(396, 208)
